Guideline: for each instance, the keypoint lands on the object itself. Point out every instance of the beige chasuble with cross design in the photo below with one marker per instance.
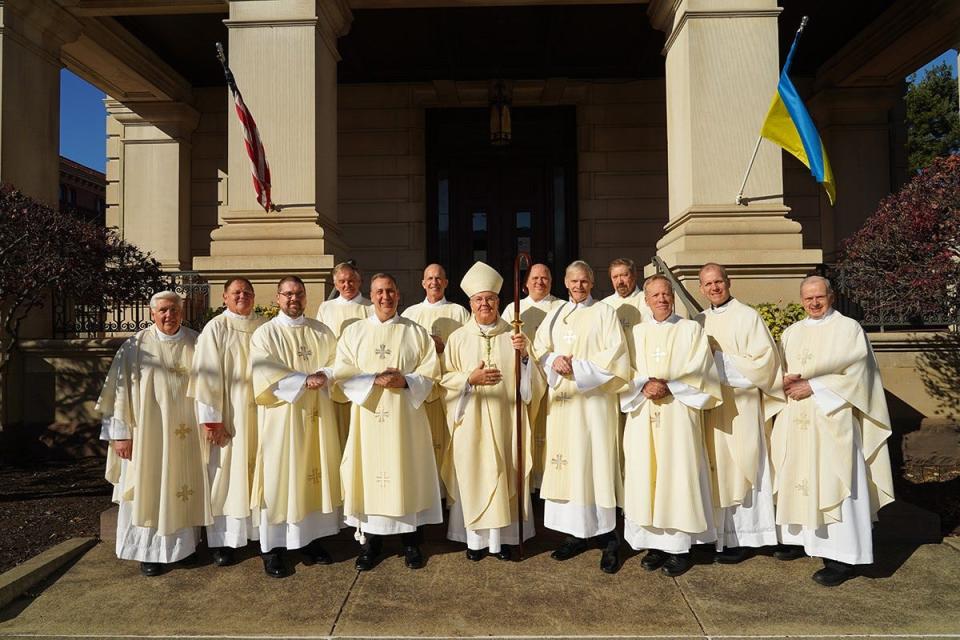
(484, 430)
(735, 429)
(222, 379)
(532, 315)
(663, 439)
(812, 450)
(145, 390)
(338, 314)
(583, 452)
(439, 319)
(388, 464)
(298, 458)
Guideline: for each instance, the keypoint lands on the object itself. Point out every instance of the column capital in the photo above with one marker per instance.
(41, 25)
(176, 119)
(332, 18)
(671, 16)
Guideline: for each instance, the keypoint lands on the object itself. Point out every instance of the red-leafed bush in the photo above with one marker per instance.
(46, 252)
(904, 264)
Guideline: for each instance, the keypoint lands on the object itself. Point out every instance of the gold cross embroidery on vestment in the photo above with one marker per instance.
(659, 354)
(383, 479)
(805, 357)
(304, 352)
(569, 337)
(314, 476)
(382, 352)
(802, 421)
(184, 493)
(182, 431)
(382, 415)
(558, 462)
(562, 398)
(802, 487)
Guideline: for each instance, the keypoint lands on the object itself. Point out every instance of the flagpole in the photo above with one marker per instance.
(521, 459)
(753, 158)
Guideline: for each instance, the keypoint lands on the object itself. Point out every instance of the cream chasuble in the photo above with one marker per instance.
(532, 315)
(748, 362)
(829, 451)
(222, 386)
(338, 314)
(162, 490)
(582, 478)
(482, 421)
(667, 478)
(389, 472)
(439, 319)
(297, 478)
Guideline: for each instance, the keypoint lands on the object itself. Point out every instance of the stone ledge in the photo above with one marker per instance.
(35, 570)
(108, 524)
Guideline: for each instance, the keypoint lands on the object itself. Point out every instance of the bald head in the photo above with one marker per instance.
(434, 282)
(539, 282)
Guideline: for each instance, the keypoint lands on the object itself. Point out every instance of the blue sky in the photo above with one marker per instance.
(83, 118)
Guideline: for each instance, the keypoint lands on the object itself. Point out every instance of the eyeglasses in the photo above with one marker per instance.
(289, 295)
(490, 300)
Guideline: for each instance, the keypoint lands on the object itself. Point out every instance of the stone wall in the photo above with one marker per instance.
(622, 167)
(381, 206)
(208, 166)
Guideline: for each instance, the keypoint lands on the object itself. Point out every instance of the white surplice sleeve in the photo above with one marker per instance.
(827, 401)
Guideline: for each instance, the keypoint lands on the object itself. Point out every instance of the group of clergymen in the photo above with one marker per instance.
(702, 431)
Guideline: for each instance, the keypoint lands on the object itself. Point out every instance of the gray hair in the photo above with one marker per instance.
(165, 295)
(654, 278)
(811, 279)
(580, 265)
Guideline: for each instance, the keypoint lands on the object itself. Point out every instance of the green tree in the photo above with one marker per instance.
(933, 123)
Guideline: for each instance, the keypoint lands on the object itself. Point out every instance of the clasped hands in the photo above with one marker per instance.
(483, 375)
(316, 380)
(655, 389)
(391, 378)
(796, 387)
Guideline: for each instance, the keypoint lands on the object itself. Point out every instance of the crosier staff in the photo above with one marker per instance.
(517, 325)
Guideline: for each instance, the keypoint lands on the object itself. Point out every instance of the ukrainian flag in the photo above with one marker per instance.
(789, 125)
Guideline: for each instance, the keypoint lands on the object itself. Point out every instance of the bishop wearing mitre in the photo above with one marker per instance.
(155, 459)
(533, 309)
(667, 497)
(829, 445)
(296, 485)
(480, 381)
(222, 385)
(748, 363)
(581, 347)
(387, 366)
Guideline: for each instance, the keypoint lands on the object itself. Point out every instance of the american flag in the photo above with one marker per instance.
(251, 138)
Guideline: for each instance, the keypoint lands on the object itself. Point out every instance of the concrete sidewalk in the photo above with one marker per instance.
(911, 591)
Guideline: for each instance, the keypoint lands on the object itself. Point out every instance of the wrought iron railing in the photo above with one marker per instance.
(693, 307)
(882, 320)
(81, 320)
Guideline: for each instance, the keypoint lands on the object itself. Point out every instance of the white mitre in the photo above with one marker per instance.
(481, 277)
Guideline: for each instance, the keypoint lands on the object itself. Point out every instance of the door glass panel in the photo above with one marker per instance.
(480, 235)
(524, 236)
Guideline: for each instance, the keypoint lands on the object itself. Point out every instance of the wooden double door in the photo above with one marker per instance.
(490, 203)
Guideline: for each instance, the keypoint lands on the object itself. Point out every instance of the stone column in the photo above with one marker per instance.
(722, 66)
(283, 55)
(856, 127)
(148, 177)
(31, 34)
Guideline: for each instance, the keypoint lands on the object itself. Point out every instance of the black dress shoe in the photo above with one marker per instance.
(834, 573)
(151, 569)
(369, 553)
(788, 552)
(412, 557)
(476, 554)
(273, 564)
(505, 553)
(676, 564)
(570, 548)
(313, 553)
(610, 560)
(222, 556)
(731, 555)
(653, 560)
(190, 561)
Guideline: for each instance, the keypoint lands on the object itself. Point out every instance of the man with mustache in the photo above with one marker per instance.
(829, 445)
